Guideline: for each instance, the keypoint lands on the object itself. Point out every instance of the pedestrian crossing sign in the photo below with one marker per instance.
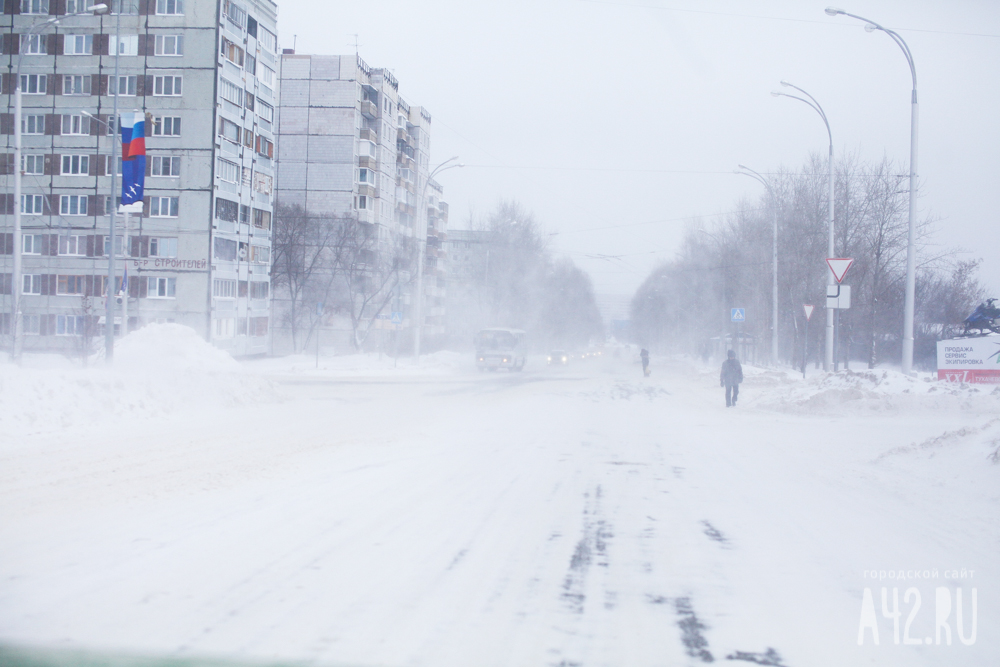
(739, 315)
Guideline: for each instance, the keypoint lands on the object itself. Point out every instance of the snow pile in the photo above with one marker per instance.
(157, 370)
(866, 390)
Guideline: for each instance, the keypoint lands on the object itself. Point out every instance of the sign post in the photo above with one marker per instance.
(808, 308)
(837, 297)
(739, 316)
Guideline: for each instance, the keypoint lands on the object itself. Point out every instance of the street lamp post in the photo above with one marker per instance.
(908, 304)
(747, 171)
(830, 280)
(17, 326)
(421, 254)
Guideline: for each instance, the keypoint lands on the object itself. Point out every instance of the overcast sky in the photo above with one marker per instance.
(619, 121)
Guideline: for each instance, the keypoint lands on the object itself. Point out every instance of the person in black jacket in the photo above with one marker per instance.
(644, 355)
(730, 377)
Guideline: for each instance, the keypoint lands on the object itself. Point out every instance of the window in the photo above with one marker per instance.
(126, 45)
(248, 138)
(265, 111)
(229, 130)
(226, 210)
(31, 244)
(167, 126)
(70, 325)
(70, 284)
(34, 124)
(225, 327)
(73, 245)
(120, 244)
(33, 45)
(73, 205)
(33, 165)
(166, 166)
(236, 14)
(31, 284)
(260, 254)
(78, 6)
(224, 249)
(162, 247)
(167, 85)
(366, 176)
(34, 6)
(75, 124)
(31, 325)
(267, 39)
(258, 325)
(229, 172)
(126, 86)
(34, 84)
(75, 165)
(169, 45)
(232, 52)
(78, 45)
(124, 7)
(249, 101)
(163, 207)
(250, 64)
(169, 7)
(245, 214)
(258, 290)
(231, 92)
(363, 202)
(265, 147)
(31, 204)
(266, 74)
(76, 84)
(161, 288)
(261, 219)
(223, 288)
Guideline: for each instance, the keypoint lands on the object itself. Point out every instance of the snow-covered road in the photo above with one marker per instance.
(571, 516)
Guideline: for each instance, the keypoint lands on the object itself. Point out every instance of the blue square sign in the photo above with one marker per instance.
(739, 315)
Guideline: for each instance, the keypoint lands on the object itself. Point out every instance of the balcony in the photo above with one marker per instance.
(367, 190)
(366, 162)
(367, 135)
(369, 110)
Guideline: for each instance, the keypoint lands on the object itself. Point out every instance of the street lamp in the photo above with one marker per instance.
(908, 304)
(422, 251)
(747, 171)
(828, 358)
(17, 279)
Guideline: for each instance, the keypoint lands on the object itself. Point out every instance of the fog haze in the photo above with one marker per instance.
(618, 123)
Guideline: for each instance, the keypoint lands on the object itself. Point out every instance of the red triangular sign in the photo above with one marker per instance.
(839, 266)
(808, 307)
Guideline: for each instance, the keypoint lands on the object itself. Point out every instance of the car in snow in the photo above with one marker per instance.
(500, 348)
(558, 358)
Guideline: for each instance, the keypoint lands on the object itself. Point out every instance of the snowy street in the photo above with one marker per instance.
(560, 516)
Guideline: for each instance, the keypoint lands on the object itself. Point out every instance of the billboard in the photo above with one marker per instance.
(975, 360)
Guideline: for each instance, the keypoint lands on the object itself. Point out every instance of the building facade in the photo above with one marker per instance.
(350, 146)
(204, 73)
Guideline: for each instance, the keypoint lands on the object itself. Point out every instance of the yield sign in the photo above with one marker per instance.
(839, 266)
(808, 307)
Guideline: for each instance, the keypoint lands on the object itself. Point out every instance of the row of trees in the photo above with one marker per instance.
(359, 273)
(512, 280)
(324, 266)
(685, 302)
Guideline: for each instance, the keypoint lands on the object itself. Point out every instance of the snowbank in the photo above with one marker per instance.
(157, 370)
(866, 390)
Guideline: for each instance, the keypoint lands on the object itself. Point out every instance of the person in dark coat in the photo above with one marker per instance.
(730, 378)
(644, 355)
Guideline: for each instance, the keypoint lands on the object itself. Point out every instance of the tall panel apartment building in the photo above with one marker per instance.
(349, 145)
(204, 72)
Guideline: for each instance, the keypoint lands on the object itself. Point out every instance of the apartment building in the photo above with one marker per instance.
(204, 73)
(350, 145)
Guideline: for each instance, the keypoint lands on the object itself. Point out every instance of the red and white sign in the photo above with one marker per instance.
(973, 360)
(808, 307)
(839, 266)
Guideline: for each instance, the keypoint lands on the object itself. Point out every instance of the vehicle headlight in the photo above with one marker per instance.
(550, 358)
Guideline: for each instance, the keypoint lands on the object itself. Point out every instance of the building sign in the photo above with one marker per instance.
(147, 263)
(975, 360)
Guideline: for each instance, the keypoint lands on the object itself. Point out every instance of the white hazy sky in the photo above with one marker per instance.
(618, 121)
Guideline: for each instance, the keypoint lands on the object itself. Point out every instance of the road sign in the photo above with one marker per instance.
(839, 266)
(738, 314)
(808, 307)
(319, 308)
(838, 296)
(397, 317)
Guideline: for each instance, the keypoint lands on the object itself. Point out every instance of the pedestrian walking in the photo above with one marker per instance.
(644, 355)
(730, 378)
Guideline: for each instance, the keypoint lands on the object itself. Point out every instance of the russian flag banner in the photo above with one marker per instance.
(133, 127)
